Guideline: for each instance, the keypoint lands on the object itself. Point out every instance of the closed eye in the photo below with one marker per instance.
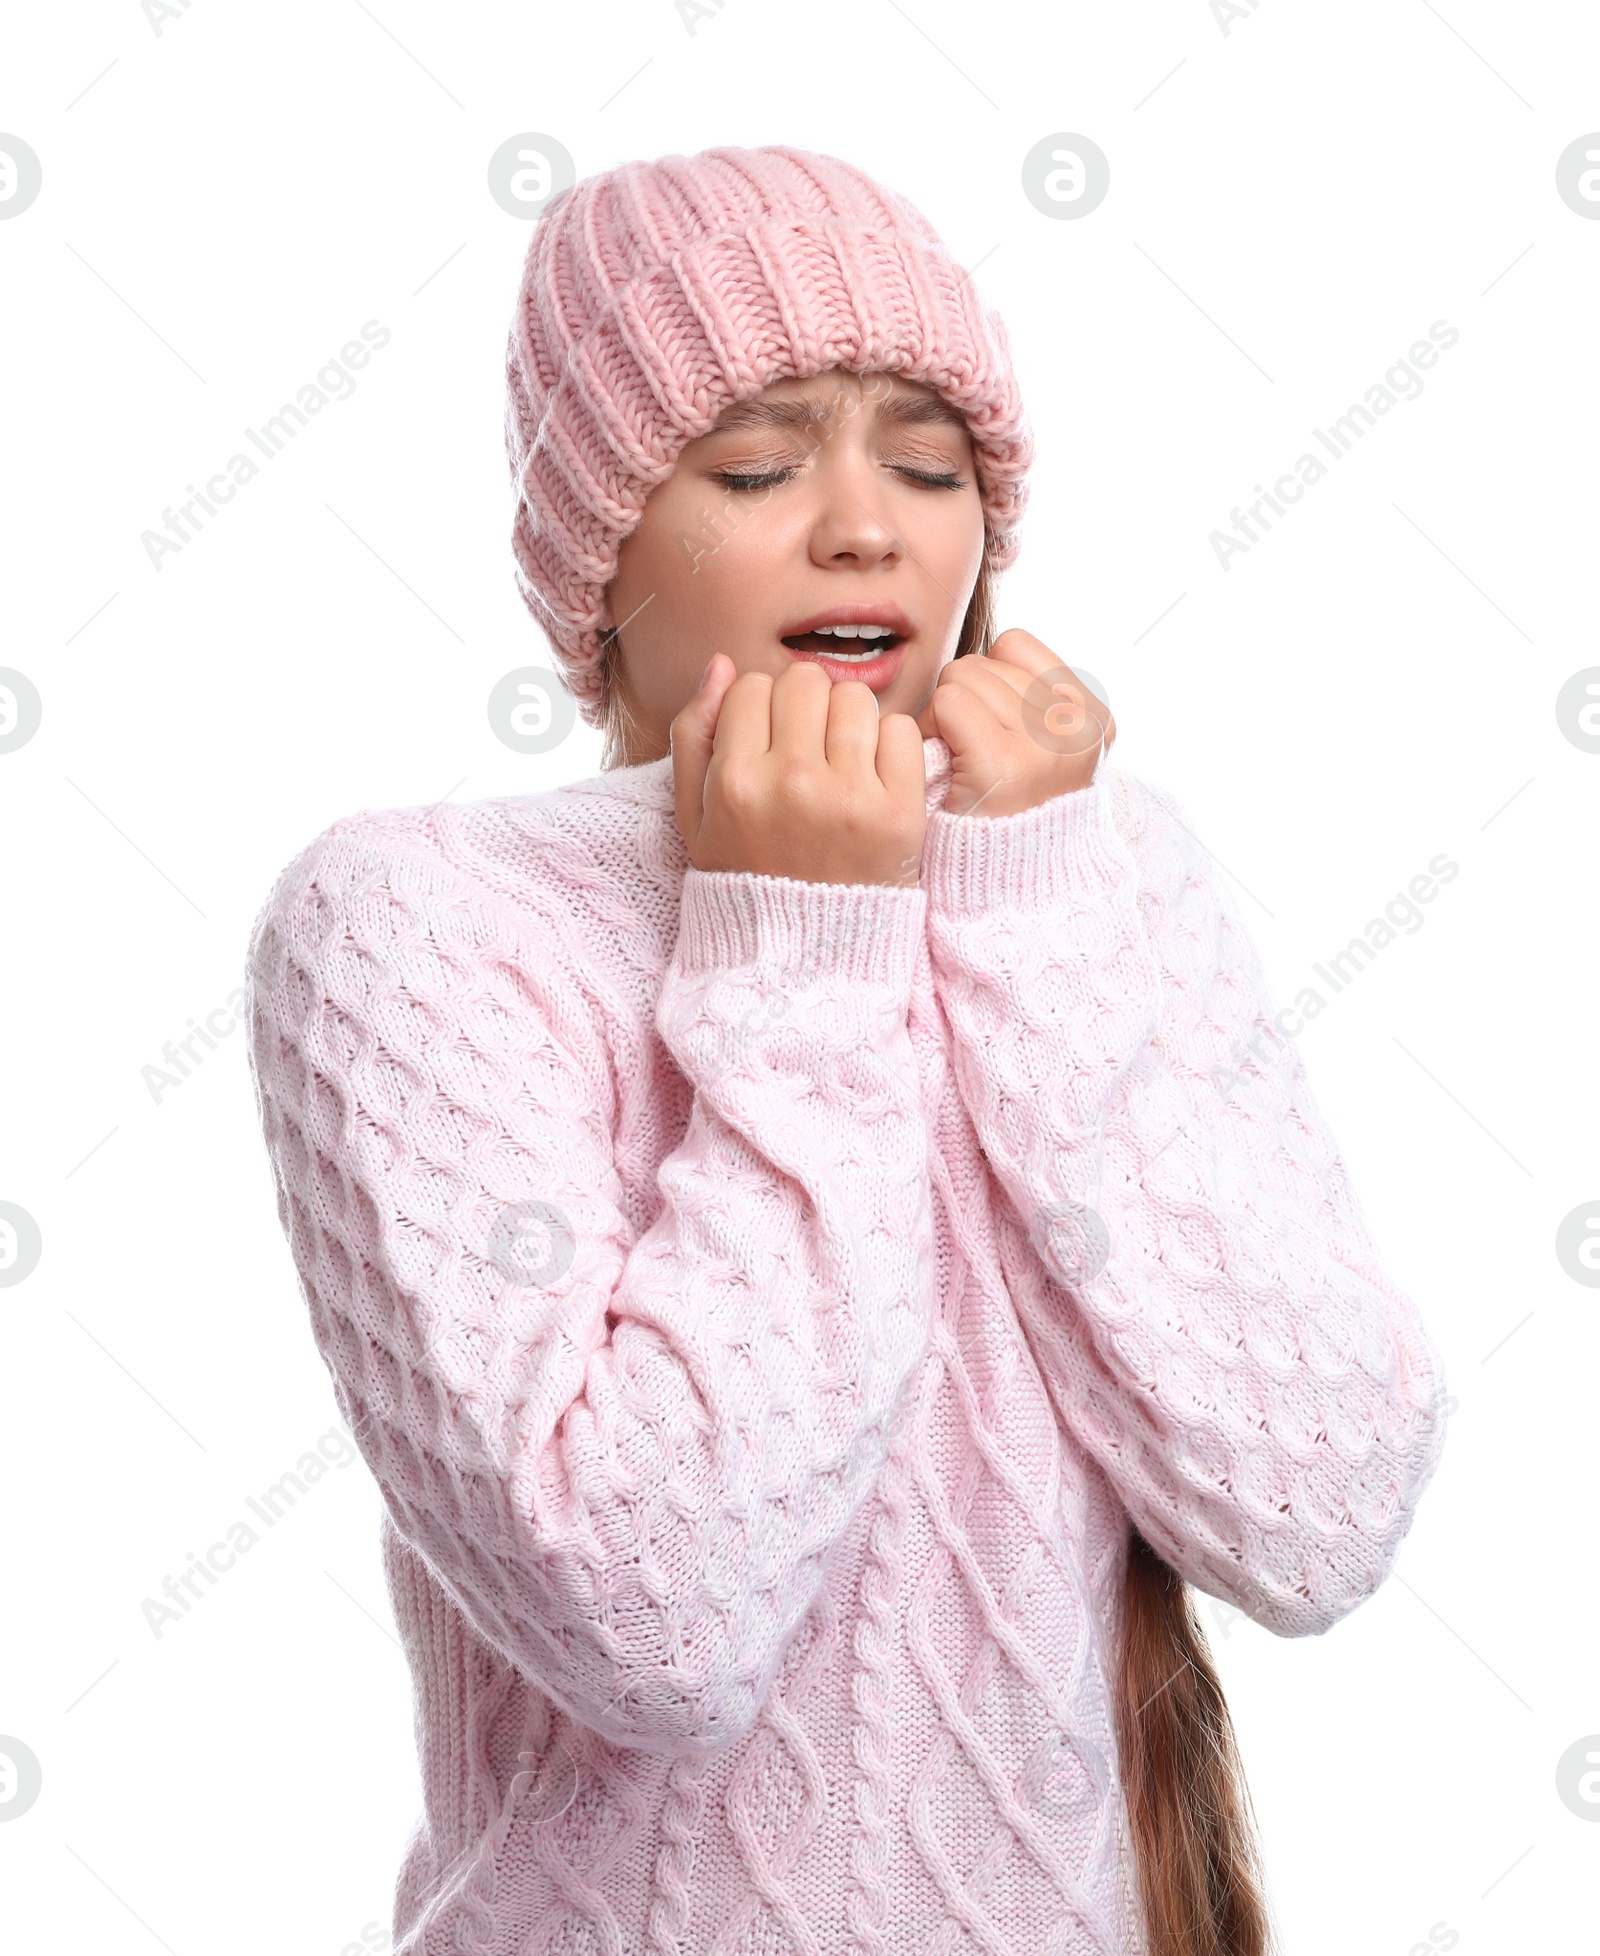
(929, 478)
(935, 479)
(732, 481)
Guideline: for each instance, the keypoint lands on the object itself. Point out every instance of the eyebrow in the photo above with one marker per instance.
(906, 409)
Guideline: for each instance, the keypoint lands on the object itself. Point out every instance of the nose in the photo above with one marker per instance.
(852, 530)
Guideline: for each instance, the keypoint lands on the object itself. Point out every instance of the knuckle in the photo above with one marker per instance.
(748, 685)
(793, 778)
(736, 787)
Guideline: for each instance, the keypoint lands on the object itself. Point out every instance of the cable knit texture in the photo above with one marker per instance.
(764, 1304)
(659, 293)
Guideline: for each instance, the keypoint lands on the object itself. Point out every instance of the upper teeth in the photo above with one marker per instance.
(854, 631)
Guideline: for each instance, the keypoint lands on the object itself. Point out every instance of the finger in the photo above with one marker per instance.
(901, 770)
(1001, 685)
(745, 722)
(1065, 715)
(1051, 692)
(853, 727)
(800, 707)
(1019, 648)
(964, 714)
(690, 740)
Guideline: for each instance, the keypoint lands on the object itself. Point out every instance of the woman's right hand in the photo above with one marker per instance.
(798, 776)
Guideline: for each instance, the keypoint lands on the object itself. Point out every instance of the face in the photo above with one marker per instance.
(835, 518)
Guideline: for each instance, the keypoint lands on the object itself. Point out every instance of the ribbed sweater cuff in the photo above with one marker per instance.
(1026, 861)
(866, 931)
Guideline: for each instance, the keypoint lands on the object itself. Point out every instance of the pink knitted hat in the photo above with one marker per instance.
(656, 294)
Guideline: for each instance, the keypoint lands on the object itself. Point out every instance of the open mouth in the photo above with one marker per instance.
(846, 644)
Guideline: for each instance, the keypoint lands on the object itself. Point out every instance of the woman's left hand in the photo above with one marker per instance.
(1020, 726)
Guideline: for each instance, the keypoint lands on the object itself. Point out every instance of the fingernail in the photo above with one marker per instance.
(705, 676)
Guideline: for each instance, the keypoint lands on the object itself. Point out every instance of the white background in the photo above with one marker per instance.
(1293, 202)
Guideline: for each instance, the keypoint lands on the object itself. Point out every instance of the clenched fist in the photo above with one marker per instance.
(798, 776)
(1020, 726)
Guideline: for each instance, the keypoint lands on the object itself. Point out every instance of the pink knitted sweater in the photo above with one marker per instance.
(764, 1304)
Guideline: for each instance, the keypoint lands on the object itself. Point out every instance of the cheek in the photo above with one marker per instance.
(683, 531)
(709, 543)
(949, 541)
(699, 557)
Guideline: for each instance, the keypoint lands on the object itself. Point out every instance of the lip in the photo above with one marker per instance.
(877, 673)
(854, 614)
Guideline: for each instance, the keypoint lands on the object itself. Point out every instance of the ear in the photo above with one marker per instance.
(607, 619)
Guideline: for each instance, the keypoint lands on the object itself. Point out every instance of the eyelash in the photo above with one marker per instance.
(926, 477)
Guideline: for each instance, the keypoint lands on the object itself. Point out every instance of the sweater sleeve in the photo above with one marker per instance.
(1206, 1297)
(624, 1453)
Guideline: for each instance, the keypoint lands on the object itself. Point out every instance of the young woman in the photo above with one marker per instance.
(814, 1228)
